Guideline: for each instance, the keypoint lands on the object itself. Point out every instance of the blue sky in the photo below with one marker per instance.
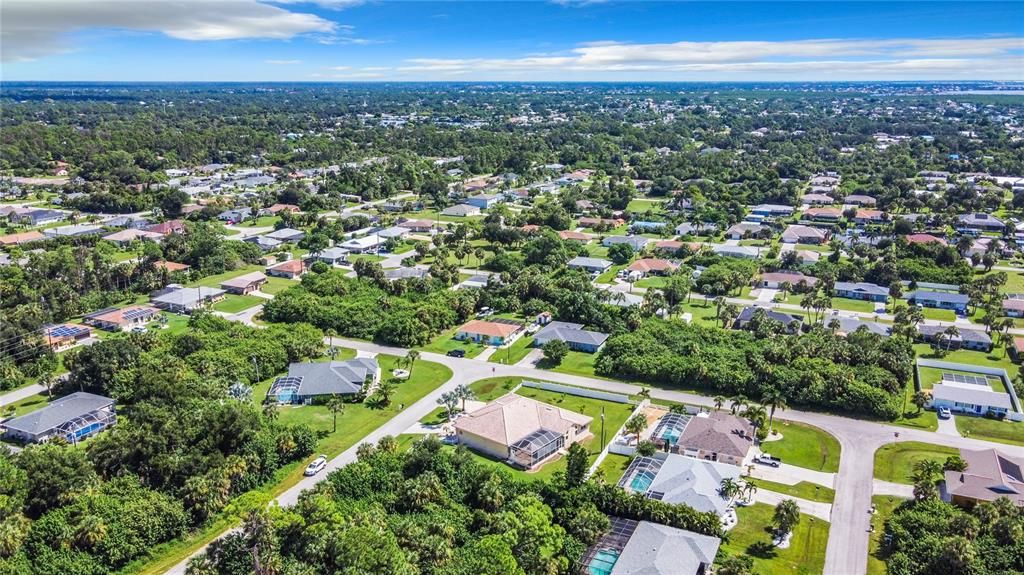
(353, 40)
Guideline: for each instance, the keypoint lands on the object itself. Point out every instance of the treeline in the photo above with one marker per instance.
(435, 511)
(361, 308)
(188, 440)
(863, 373)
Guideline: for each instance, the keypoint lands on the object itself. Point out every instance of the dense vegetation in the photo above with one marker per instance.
(862, 373)
(187, 442)
(437, 511)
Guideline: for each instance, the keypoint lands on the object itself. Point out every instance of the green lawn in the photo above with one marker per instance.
(804, 490)
(990, 429)
(343, 354)
(804, 446)
(235, 303)
(446, 342)
(637, 205)
(577, 363)
(885, 505)
(277, 285)
(217, 279)
(913, 417)
(613, 466)
(895, 462)
(493, 387)
(652, 282)
(514, 353)
(804, 556)
(997, 358)
(609, 274)
(176, 323)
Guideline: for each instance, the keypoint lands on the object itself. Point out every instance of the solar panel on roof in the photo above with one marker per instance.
(136, 313)
(103, 311)
(66, 331)
(967, 379)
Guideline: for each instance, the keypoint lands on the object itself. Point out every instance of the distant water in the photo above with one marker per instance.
(1011, 92)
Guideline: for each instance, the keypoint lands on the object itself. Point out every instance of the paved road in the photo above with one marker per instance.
(849, 534)
(21, 393)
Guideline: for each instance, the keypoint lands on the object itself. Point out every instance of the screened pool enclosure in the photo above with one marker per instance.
(536, 447)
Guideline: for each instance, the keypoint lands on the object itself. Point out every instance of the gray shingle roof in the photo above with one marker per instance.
(59, 412)
(655, 549)
(861, 287)
(570, 333)
(692, 482)
(332, 377)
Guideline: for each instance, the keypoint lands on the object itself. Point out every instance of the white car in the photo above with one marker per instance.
(944, 413)
(316, 466)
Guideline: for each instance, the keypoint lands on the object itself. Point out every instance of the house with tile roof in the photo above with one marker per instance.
(489, 332)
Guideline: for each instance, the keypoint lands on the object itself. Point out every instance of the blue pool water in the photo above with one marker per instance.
(603, 562)
(641, 482)
(671, 435)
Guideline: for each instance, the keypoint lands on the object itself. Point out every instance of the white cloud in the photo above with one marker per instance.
(282, 62)
(963, 58)
(332, 4)
(37, 28)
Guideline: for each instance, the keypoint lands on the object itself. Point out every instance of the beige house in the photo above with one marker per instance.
(523, 431)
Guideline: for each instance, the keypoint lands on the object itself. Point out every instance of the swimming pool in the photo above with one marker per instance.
(603, 562)
(671, 435)
(641, 482)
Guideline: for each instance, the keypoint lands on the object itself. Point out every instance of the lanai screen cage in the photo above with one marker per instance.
(600, 559)
(285, 389)
(536, 447)
(669, 430)
(641, 474)
(83, 426)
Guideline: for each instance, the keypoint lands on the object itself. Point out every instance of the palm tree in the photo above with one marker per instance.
(270, 411)
(644, 393)
(464, 393)
(719, 402)
(786, 517)
(410, 359)
(450, 400)
(729, 488)
(91, 530)
(738, 402)
(750, 489)
(335, 405)
(635, 425)
(386, 389)
(773, 399)
(950, 332)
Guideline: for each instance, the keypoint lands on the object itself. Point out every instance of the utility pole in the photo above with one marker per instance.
(602, 428)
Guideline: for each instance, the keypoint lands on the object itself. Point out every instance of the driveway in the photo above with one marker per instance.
(817, 509)
(948, 426)
(791, 475)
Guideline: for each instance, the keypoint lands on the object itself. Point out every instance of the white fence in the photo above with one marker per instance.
(580, 391)
(996, 371)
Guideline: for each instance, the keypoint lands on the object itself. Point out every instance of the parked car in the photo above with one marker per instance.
(316, 466)
(767, 459)
(944, 413)
(139, 329)
(457, 353)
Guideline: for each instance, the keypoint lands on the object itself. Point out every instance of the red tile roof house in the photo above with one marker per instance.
(591, 222)
(653, 266)
(290, 269)
(569, 235)
(774, 280)
(823, 214)
(278, 208)
(489, 332)
(924, 239)
(172, 266)
(113, 319)
(865, 216)
(168, 227)
(22, 238)
(670, 247)
(244, 284)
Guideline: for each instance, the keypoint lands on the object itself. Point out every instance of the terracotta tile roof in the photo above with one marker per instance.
(290, 266)
(571, 235)
(490, 328)
(652, 265)
(172, 266)
(21, 238)
(924, 239)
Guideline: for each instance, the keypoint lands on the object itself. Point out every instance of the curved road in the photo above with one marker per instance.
(849, 535)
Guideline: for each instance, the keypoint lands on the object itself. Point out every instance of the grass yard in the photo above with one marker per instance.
(750, 536)
(803, 490)
(990, 429)
(895, 462)
(805, 446)
(652, 282)
(638, 205)
(577, 363)
(912, 417)
(885, 506)
(217, 279)
(235, 303)
(446, 342)
(176, 323)
(609, 275)
(277, 285)
(997, 358)
(613, 466)
(512, 354)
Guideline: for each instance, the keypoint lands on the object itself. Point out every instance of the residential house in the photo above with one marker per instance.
(859, 200)
(687, 228)
(990, 475)
(72, 417)
(848, 325)
(461, 210)
(643, 548)
(817, 200)
(371, 243)
(289, 269)
(862, 291)
(744, 252)
(716, 436)
(679, 480)
(594, 222)
(585, 206)
(332, 256)
(744, 230)
(125, 237)
(1013, 307)
(235, 216)
(73, 231)
(494, 332)
(418, 226)
(279, 208)
(520, 430)
(774, 280)
(590, 265)
(636, 242)
(36, 216)
(168, 227)
(791, 323)
(571, 236)
(483, 201)
(827, 215)
(172, 266)
(573, 334)
(672, 247)
(772, 210)
(647, 227)
(970, 399)
(244, 284)
(307, 382)
(129, 222)
(178, 299)
(21, 238)
(121, 319)
(957, 302)
(974, 339)
(66, 335)
(653, 266)
(978, 222)
(924, 239)
(265, 243)
(404, 273)
(798, 234)
(289, 235)
(865, 216)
